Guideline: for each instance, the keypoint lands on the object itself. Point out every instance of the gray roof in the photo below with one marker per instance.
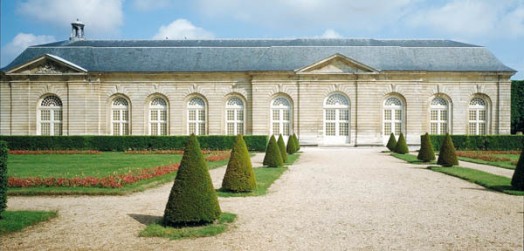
(263, 55)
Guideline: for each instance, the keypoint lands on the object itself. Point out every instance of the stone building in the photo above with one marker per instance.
(327, 91)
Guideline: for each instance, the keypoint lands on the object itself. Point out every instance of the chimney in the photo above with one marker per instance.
(77, 30)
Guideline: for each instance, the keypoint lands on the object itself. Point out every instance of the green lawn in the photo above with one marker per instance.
(410, 158)
(14, 221)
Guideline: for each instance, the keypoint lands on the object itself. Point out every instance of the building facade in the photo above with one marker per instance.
(327, 91)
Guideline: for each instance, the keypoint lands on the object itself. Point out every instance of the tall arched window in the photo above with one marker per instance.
(120, 116)
(280, 116)
(477, 116)
(50, 116)
(336, 116)
(393, 117)
(196, 116)
(158, 116)
(439, 113)
(235, 116)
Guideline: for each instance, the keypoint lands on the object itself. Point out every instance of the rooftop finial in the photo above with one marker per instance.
(77, 30)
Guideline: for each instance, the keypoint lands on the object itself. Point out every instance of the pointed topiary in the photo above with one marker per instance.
(291, 145)
(239, 176)
(392, 142)
(282, 148)
(517, 181)
(273, 157)
(401, 146)
(426, 153)
(3, 177)
(447, 156)
(193, 200)
(297, 143)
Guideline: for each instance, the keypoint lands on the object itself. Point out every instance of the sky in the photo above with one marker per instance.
(496, 24)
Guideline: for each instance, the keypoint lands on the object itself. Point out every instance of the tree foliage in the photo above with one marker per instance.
(517, 106)
(447, 156)
(282, 148)
(426, 152)
(239, 176)
(392, 142)
(273, 157)
(291, 146)
(402, 146)
(517, 181)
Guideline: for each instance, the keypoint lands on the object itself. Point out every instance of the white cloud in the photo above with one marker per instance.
(100, 16)
(330, 33)
(148, 5)
(182, 29)
(20, 42)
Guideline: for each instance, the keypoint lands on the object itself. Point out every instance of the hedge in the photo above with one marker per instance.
(122, 143)
(3, 177)
(517, 106)
(481, 142)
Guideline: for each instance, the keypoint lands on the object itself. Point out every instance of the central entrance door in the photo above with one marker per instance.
(336, 120)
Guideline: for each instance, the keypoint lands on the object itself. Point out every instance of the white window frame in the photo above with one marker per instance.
(120, 107)
(53, 105)
(339, 104)
(477, 106)
(158, 116)
(391, 105)
(279, 107)
(235, 107)
(441, 122)
(196, 116)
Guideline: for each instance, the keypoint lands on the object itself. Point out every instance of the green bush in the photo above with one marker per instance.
(122, 143)
(273, 157)
(517, 181)
(193, 200)
(401, 146)
(297, 143)
(447, 156)
(3, 177)
(239, 176)
(481, 142)
(426, 153)
(392, 142)
(517, 106)
(291, 146)
(282, 148)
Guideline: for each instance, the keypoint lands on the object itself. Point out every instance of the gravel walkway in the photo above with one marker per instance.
(331, 199)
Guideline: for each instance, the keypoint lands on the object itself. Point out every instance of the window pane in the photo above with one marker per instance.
(202, 115)
(240, 115)
(443, 128)
(286, 115)
(240, 128)
(45, 129)
(434, 115)
(57, 115)
(343, 129)
(57, 129)
(163, 129)
(472, 115)
(163, 115)
(286, 129)
(472, 128)
(330, 129)
(276, 114)
(387, 128)
(482, 115)
(125, 115)
(398, 115)
(154, 116)
(192, 127)
(344, 115)
(192, 115)
(330, 114)
(154, 129)
(125, 129)
(387, 115)
(202, 129)
(398, 127)
(116, 129)
(444, 115)
(482, 128)
(230, 128)
(276, 128)
(434, 128)
(230, 115)
(45, 115)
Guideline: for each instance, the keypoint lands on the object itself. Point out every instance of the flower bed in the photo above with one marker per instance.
(30, 152)
(489, 156)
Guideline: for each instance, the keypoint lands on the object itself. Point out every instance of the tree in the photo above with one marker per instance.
(3, 177)
(273, 157)
(291, 146)
(392, 142)
(517, 106)
(447, 156)
(282, 148)
(239, 176)
(401, 146)
(297, 143)
(517, 181)
(426, 153)
(193, 200)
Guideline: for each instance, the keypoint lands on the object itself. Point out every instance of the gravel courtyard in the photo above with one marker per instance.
(331, 199)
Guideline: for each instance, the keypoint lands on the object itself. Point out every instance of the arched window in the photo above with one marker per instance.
(439, 116)
(280, 116)
(235, 116)
(196, 116)
(477, 116)
(50, 110)
(336, 115)
(158, 116)
(393, 116)
(120, 116)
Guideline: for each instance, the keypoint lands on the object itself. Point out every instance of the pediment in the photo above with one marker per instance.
(336, 64)
(48, 65)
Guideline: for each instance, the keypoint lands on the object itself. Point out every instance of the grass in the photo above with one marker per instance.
(158, 230)
(410, 158)
(488, 180)
(14, 221)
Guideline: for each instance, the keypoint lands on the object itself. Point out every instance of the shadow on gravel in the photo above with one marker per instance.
(146, 219)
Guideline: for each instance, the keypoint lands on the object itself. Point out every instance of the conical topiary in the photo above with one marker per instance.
(3, 177)
(517, 181)
(392, 142)
(291, 145)
(193, 200)
(401, 146)
(447, 156)
(273, 157)
(297, 143)
(282, 148)
(426, 153)
(239, 176)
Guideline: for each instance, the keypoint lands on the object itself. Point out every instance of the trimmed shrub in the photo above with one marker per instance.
(239, 176)
(291, 146)
(402, 146)
(3, 177)
(447, 156)
(392, 142)
(481, 142)
(426, 152)
(282, 148)
(517, 181)
(297, 143)
(193, 200)
(273, 157)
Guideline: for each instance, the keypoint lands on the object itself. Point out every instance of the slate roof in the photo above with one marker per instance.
(264, 55)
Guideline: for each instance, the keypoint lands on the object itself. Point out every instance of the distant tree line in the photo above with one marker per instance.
(517, 106)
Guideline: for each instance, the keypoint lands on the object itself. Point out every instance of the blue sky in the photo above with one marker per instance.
(495, 24)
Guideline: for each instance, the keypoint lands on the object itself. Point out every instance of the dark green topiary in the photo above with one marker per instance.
(273, 157)
(3, 177)
(392, 142)
(447, 156)
(193, 200)
(426, 153)
(297, 143)
(291, 145)
(239, 176)
(517, 181)
(282, 148)
(401, 146)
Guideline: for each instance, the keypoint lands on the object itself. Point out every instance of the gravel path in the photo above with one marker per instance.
(331, 199)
